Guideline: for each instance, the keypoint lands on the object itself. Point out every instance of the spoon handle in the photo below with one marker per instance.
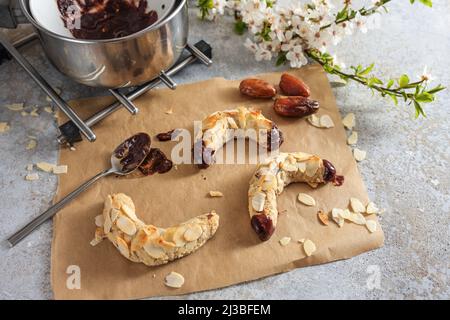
(36, 222)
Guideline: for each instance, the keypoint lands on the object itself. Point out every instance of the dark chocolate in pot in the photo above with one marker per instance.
(133, 151)
(106, 19)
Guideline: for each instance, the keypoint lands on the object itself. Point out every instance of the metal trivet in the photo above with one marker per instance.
(73, 130)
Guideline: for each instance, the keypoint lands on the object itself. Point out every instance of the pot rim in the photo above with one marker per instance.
(179, 5)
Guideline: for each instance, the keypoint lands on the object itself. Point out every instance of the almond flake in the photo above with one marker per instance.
(372, 208)
(169, 112)
(24, 114)
(215, 194)
(31, 144)
(126, 225)
(323, 217)
(123, 247)
(285, 241)
(309, 247)
(45, 166)
(314, 120)
(349, 121)
(359, 155)
(326, 121)
(4, 127)
(193, 233)
(60, 169)
(258, 201)
(306, 199)
(357, 218)
(154, 251)
(32, 177)
(353, 138)
(15, 106)
(48, 109)
(99, 221)
(34, 112)
(371, 225)
(174, 280)
(301, 240)
(357, 205)
(336, 214)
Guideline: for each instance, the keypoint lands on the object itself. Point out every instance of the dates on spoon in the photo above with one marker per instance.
(295, 107)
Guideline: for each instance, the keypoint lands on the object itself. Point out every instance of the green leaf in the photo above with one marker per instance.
(366, 70)
(373, 80)
(424, 97)
(419, 110)
(394, 98)
(240, 27)
(436, 89)
(390, 83)
(428, 3)
(403, 81)
(281, 59)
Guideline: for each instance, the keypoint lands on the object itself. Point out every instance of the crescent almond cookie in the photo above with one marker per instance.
(219, 128)
(273, 176)
(149, 244)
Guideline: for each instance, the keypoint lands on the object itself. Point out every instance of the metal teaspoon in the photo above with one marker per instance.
(126, 158)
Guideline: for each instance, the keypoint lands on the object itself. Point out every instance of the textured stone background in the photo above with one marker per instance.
(406, 171)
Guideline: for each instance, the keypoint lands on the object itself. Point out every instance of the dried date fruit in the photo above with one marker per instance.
(263, 226)
(330, 175)
(295, 107)
(133, 150)
(293, 86)
(167, 136)
(257, 88)
(155, 162)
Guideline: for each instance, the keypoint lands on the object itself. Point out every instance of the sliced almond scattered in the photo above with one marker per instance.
(4, 127)
(371, 225)
(323, 217)
(45, 166)
(357, 205)
(314, 120)
(336, 214)
(309, 247)
(126, 225)
(174, 280)
(48, 109)
(215, 194)
(306, 199)
(349, 121)
(301, 240)
(34, 112)
(31, 144)
(353, 138)
(60, 169)
(99, 221)
(15, 106)
(193, 233)
(372, 208)
(359, 155)
(285, 241)
(357, 218)
(326, 121)
(169, 112)
(32, 177)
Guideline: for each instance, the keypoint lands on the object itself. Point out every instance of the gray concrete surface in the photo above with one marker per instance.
(407, 170)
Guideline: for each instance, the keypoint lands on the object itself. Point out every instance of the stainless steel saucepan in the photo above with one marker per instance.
(114, 63)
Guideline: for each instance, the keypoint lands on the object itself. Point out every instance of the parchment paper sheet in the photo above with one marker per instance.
(235, 254)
